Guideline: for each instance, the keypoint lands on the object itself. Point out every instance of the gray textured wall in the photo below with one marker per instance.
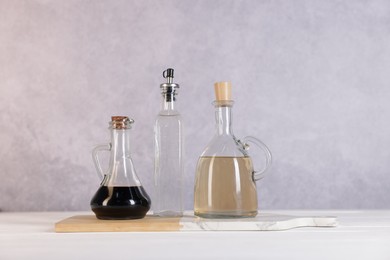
(311, 79)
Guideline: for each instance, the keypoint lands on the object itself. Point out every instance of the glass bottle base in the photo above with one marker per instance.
(226, 214)
(168, 213)
(120, 202)
(120, 213)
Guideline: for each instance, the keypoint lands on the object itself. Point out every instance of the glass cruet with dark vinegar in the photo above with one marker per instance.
(225, 179)
(120, 195)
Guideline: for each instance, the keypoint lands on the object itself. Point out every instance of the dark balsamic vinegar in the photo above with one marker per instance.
(120, 202)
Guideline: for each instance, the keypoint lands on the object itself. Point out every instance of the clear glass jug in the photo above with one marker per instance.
(225, 179)
(120, 195)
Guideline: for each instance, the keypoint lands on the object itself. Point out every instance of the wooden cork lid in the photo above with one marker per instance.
(121, 122)
(223, 91)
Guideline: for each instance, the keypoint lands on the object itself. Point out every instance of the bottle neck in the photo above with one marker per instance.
(120, 141)
(168, 104)
(223, 119)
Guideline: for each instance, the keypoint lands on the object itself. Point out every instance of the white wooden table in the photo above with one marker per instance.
(359, 235)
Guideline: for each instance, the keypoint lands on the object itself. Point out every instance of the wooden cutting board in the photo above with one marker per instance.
(263, 222)
(89, 223)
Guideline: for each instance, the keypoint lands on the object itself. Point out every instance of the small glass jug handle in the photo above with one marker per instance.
(258, 175)
(95, 158)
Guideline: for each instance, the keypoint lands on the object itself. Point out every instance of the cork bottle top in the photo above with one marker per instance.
(223, 91)
(121, 122)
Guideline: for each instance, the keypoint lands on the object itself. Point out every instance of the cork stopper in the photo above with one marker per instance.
(223, 91)
(121, 122)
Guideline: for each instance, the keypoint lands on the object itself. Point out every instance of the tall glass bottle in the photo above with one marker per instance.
(168, 167)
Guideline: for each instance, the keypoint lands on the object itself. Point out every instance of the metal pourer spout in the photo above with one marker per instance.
(168, 74)
(169, 89)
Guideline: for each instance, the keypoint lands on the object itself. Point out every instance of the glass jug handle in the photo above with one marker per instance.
(257, 175)
(95, 158)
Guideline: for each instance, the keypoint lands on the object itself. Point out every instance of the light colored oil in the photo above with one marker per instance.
(224, 188)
